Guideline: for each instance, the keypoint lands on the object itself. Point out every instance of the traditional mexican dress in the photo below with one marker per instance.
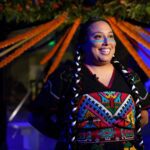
(105, 114)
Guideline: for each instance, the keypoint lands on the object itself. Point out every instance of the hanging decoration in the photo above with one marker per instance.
(54, 50)
(42, 10)
(117, 28)
(54, 24)
(64, 46)
(136, 28)
(133, 34)
(72, 13)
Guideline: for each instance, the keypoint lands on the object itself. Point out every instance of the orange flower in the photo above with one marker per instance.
(1, 7)
(19, 8)
(55, 5)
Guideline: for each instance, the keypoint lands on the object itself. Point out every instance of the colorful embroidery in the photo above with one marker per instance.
(107, 110)
(105, 135)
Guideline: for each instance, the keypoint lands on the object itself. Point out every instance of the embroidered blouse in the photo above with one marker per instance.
(105, 113)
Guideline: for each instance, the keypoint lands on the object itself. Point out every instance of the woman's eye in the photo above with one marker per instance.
(111, 36)
(98, 37)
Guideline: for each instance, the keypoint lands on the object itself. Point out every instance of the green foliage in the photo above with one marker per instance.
(31, 12)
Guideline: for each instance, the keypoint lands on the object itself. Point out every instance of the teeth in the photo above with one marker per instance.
(105, 51)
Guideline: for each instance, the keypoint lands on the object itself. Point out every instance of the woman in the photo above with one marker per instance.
(94, 100)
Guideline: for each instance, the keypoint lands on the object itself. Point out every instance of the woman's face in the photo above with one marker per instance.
(99, 45)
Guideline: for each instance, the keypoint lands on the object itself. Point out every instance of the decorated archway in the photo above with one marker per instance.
(63, 13)
(128, 20)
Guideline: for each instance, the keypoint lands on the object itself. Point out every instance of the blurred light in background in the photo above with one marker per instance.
(52, 43)
(145, 55)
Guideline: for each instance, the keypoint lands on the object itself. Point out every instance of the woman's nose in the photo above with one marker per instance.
(105, 41)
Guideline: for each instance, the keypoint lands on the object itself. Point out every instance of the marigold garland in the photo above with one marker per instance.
(131, 33)
(140, 48)
(128, 45)
(28, 34)
(54, 50)
(136, 28)
(38, 33)
(12, 47)
(33, 41)
(64, 46)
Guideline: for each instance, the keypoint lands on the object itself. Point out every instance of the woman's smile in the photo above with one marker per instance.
(105, 51)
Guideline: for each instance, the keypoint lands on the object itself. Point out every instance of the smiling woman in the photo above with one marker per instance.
(95, 102)
(100, 44)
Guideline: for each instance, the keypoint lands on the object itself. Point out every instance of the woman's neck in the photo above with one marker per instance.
(101, 67)
(104, 73)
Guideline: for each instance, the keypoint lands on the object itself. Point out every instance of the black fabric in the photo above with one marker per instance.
(106, 146)
(91, 84)
(50, 109)
(145, 96)
(119, 84)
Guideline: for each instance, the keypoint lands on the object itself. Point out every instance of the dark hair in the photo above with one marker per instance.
(84, 28)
